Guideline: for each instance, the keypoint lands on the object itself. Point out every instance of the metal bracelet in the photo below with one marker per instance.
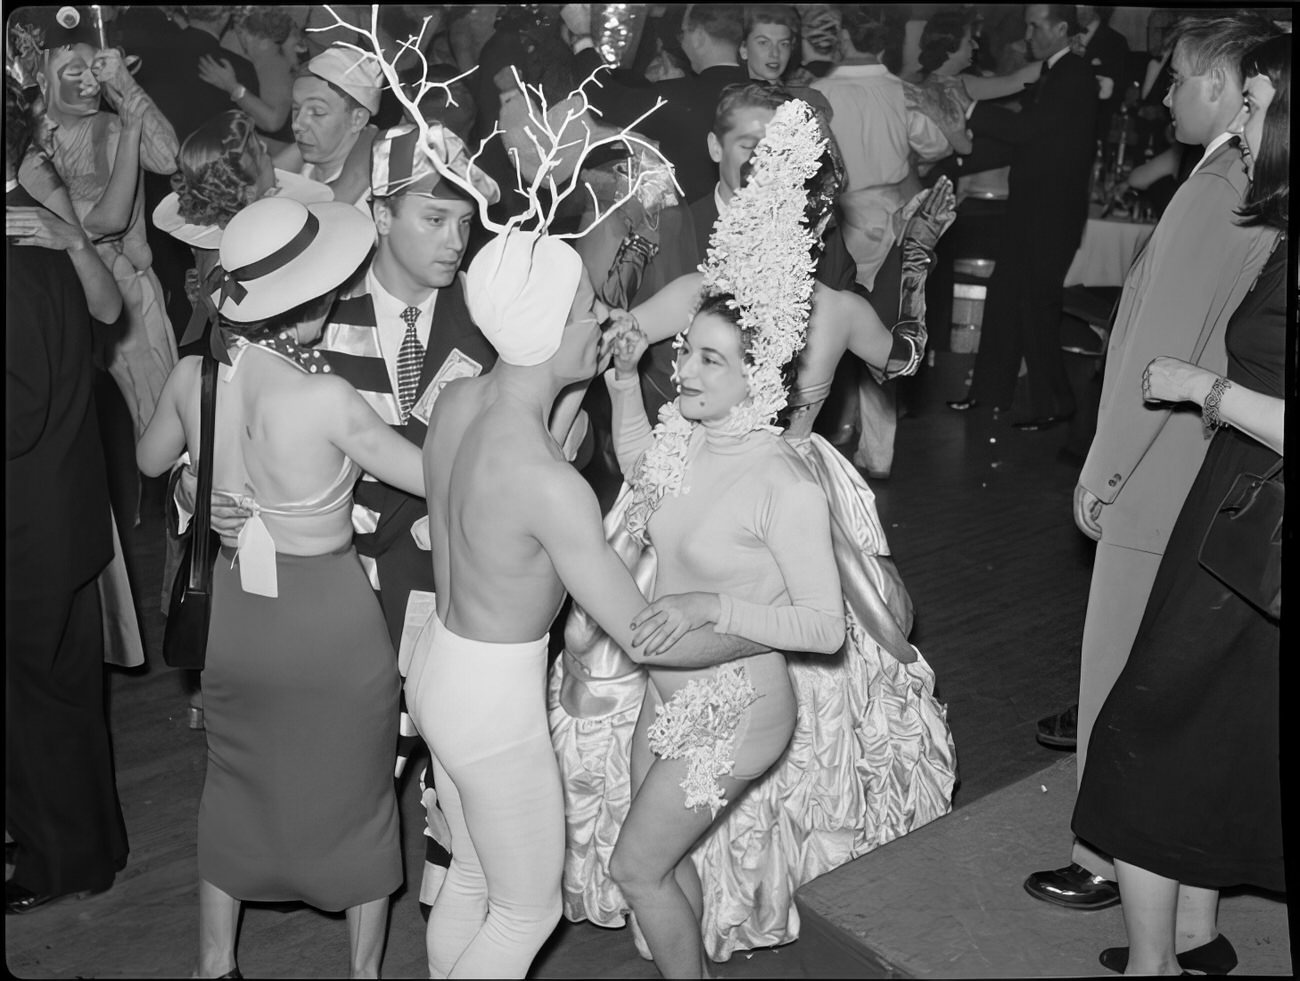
(1210, 418)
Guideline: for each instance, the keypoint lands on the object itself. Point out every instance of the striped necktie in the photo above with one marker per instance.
(410, 359)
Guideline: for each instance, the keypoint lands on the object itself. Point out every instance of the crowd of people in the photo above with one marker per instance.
(446, 269)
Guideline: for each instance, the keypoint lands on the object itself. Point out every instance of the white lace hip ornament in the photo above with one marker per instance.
(699, 723)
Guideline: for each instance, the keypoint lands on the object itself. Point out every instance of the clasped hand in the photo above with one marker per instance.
(219, 74)
(668, 619)
(227, 515)
(1174, 380)
(625, 341)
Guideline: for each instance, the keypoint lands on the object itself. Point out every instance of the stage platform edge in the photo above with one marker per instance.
(948, 900)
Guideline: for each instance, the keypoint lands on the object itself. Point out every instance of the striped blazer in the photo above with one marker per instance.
(382, 514)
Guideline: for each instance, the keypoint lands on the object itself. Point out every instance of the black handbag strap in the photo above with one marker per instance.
(201, 557)
(1273, 471)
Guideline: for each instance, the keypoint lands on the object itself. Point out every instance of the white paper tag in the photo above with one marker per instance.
(257, 559)
(420, 532)
(458, 365)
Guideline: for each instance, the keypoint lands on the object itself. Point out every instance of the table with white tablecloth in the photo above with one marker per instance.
(1107, 251)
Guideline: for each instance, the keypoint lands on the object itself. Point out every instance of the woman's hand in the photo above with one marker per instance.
(219, 74)
(668, 619)
(1172, 380)
(28, 225)
(628, 343)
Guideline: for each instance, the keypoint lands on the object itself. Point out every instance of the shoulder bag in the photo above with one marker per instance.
(1243, 545)
(185, 639)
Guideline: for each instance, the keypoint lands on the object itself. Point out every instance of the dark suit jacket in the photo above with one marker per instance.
(835, 267)
(1107, 55)
(169, 68)
(1052, 147)
(57, 535)
(681, 127)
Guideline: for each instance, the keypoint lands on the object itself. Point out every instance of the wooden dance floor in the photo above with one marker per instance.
(979, 520)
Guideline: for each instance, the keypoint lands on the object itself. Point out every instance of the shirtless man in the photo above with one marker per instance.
(512, 526)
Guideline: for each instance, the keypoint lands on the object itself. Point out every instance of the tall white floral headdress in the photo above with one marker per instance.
(761, 256)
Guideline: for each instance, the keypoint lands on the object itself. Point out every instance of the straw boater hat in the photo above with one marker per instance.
(278, 254)
(355, 72)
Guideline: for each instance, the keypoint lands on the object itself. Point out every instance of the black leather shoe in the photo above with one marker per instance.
(1216, 957)
(963, 405)
(1060, 731)
(1042, 422)
(1073, 887)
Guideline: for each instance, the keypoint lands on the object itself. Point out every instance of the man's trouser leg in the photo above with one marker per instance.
(1117, 598)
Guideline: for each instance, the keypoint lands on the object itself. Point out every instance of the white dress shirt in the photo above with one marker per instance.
(1213, 145)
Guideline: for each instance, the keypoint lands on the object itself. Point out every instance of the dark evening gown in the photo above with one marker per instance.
(1183, 777)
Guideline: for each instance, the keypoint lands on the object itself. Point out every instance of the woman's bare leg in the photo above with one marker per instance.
(218, 930)
(658, 835)
(1198, 917)
(1150, 904)
(367, 926)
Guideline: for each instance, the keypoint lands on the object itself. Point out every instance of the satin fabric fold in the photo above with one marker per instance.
(871, 757)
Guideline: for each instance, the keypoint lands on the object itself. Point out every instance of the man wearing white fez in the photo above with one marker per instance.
(333, 101)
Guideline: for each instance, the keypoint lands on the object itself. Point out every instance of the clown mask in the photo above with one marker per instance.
(68, 83)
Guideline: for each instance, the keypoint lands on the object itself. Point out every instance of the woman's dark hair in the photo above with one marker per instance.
(1268, 196)
(771, 13)
(210, 180)
(271, 23)
(18, 123)
(723, 305)
(317, 306)
(941, 36)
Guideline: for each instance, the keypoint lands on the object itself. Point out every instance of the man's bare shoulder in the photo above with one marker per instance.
(559, 492)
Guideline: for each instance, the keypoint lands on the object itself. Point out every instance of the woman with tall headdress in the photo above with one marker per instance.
(741, 528)
(871, 757)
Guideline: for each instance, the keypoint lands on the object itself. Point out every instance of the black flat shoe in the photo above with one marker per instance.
(19, 899)
(232, 973)
(1073, 887)
(1060, 731)
(1216, 957)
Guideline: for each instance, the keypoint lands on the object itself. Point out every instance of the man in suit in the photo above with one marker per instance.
(401, 332)
(739, 122)
(1047, 207)
(61, 804)
(1196, 268)
(711, 36)
(1106, 52)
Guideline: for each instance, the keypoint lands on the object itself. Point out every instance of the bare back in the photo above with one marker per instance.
(485, 462)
